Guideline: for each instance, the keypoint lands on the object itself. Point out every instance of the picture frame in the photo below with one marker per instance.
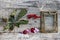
(55, 21)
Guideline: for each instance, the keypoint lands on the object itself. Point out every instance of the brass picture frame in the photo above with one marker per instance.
(55, 21)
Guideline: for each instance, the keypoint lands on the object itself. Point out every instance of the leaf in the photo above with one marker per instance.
(11, 26)
(23, 22)
(14, 12)
(11, 18)
(17, 24)
(21, 14)
(6, 27)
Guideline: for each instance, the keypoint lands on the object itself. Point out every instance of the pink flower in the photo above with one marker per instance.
(34, 30)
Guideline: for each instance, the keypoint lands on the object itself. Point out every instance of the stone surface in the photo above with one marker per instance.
(36, 36)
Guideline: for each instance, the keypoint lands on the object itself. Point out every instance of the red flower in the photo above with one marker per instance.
(29, 16)
(25, 32)
(32, 30)
(33, 16)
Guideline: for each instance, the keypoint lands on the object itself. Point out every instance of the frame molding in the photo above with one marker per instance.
(55, 21)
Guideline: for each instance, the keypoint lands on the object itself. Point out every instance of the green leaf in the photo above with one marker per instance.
(11, 18)
(6, 27)
(11, 26)
(23, 22)
(17, 24)
(21, 14)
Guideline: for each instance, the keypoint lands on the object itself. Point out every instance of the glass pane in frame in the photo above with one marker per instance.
(48, 22)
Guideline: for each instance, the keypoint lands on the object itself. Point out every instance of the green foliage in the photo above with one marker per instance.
(11, 26)
(12, 22)
(23, 22)
(21, 14)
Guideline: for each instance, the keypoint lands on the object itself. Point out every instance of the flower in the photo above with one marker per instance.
(34, 30)
(25, 32)
(34, 16)
(31, 16)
